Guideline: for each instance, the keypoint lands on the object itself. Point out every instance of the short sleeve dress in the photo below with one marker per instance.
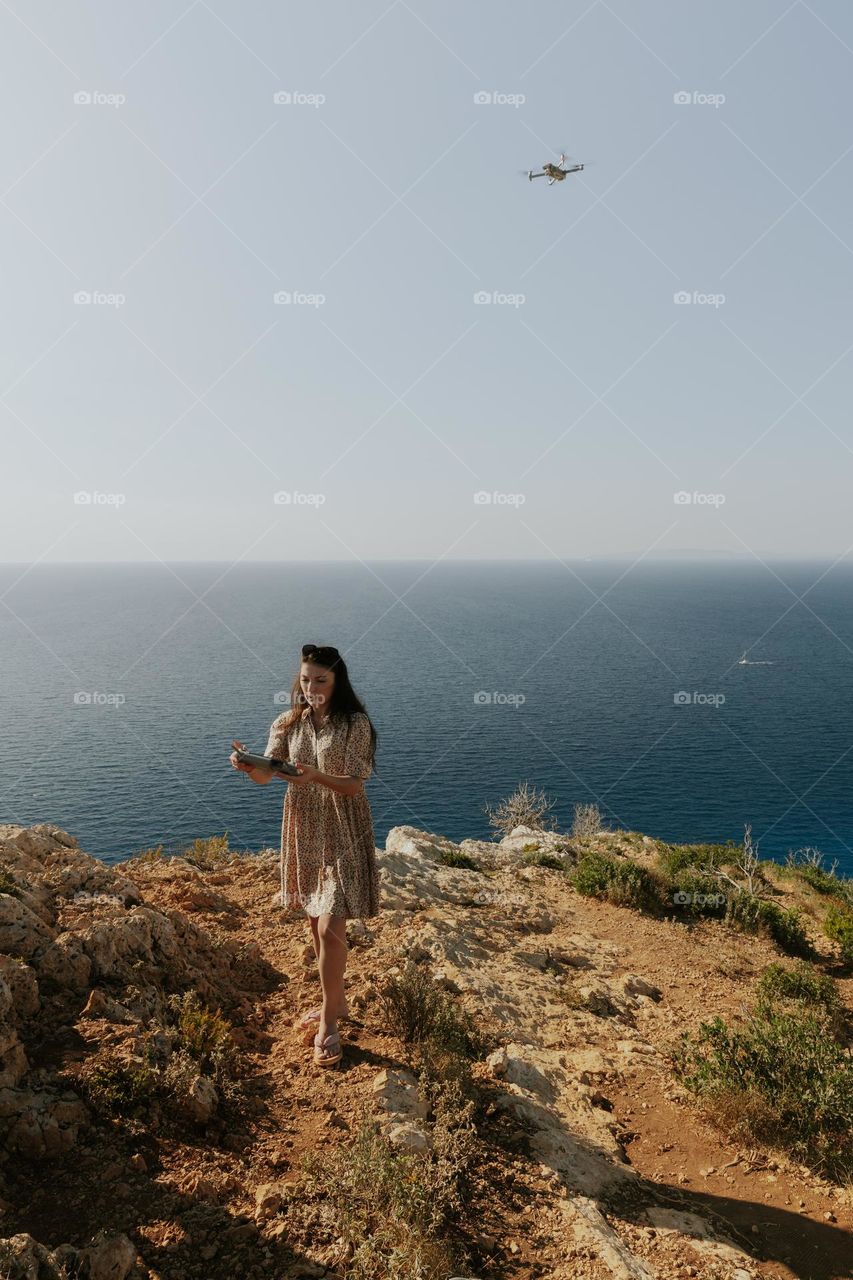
(328, 850)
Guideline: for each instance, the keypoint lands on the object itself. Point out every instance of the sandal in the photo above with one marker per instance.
(327, 1052)
(313, 1015)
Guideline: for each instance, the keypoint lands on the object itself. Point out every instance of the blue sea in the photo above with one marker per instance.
(596, 681)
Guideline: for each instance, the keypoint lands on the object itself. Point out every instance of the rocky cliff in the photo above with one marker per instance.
(160, 1115)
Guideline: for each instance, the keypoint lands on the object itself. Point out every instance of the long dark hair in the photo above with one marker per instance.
(344, 703)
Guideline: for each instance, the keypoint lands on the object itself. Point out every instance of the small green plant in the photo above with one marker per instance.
(780, 1077)
(8, 884)
(696, 894)
(445, 1080)
(592, 1001)
(821, 881)
(697, 858)
(624, 883)
(198, 1044)
(205, 1036)
(391, 1210)
(802, 985)
(587, 821)
(838, 927)
(455, 858)
(417, 1010)
(154, 854)
(537, 857)
(121, 1088)
(751, 914)
(209, 853)
(526, 807)
(808, 865)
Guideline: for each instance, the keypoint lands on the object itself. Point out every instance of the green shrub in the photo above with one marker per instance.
(198, 1044)
(392, 1210)
(781, 1078)
(673, 859)
(807, 866)
(838, 927)
(8, 884)
(417, 1010)
(455, 858)
(819, 879)
(752, 914)
(804, 985)
(541, 858)
(209, 853)
(624, 883)
(121, 1088)
(697, 894)
(154, 854)
(205, 1036)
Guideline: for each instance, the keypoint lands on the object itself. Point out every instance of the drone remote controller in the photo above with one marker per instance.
(266, 762)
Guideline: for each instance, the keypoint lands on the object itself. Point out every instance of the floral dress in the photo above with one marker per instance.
(328, 853)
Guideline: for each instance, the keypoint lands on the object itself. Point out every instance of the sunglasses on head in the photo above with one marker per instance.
(322, 652)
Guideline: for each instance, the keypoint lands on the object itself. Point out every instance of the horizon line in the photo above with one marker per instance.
(692, 555)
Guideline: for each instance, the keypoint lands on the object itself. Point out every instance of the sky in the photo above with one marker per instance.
(277, 287)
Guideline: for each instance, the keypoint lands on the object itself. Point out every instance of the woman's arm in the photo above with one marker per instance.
(344, 784)
(356, 757)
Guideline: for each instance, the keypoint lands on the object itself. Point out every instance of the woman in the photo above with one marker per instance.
(328, 854)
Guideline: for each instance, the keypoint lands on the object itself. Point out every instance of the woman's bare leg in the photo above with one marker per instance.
(313, 921)
(341, 1008)
(332, 933)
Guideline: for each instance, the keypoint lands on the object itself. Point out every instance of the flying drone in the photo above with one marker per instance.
(555, 172)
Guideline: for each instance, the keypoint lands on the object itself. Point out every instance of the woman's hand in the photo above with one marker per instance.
(239, 746)
(307, 773)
